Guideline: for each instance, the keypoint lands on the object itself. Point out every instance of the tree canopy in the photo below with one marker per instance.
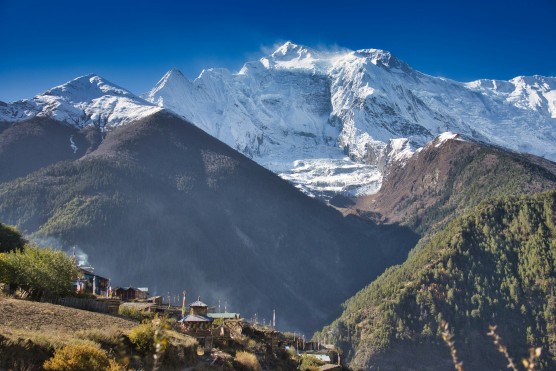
(37, 271)
(10, 238)
(492, 266)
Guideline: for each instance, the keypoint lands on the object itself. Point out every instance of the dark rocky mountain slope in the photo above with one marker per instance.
(159, 203)
(447, 178)
(38, 142)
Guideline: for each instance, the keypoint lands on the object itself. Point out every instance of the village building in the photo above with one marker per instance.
(132, 293)
(225, 316)
(197, 321)
(156, 300)
(198, 324)
(91, 283)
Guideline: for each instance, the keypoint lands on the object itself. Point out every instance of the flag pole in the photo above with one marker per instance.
(183, 308)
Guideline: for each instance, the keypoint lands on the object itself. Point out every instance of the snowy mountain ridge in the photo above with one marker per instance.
(86, 100)
(329, 121)
(300, 111)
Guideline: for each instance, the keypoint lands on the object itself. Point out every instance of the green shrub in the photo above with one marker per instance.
(134, 313)
(142, 337)
(10, 239)
(79, 357)
(309, 363)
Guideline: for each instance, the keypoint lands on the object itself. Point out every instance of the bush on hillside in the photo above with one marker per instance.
(134, 313)
(142, 337)
(247, 361)
(80, 357)
(160, 347)
(310, 363)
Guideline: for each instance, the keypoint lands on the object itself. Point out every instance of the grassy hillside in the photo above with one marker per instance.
(31, 332)
(494, 265)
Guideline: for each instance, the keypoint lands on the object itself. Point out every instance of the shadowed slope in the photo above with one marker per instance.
(38, 142)
(161, 204)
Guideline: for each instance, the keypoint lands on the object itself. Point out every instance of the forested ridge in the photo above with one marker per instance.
(495, 265)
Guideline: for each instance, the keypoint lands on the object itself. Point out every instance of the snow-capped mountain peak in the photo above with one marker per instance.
(86, 100)
(382, 58)
(85, 88)
(299, 111)
(289, 51)
(172, 77)
(172, 82)
(288, 55)
(527, 93)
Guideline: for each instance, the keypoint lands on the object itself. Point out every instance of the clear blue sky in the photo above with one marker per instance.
(134, 42)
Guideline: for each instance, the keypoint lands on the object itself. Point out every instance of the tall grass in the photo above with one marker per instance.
(248, 360)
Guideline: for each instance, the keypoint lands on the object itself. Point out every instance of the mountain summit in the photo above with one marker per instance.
(329, 121)
(290, 53)
(86, 100)
(300, 111)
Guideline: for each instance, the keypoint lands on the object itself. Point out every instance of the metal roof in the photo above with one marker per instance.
(195, 318)
(198, 303)
(224, 315)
